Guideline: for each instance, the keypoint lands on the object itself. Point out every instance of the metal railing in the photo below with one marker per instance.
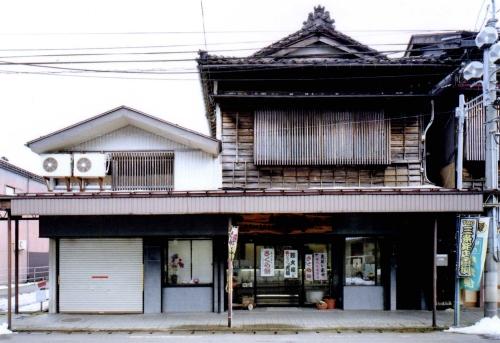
(26, 275)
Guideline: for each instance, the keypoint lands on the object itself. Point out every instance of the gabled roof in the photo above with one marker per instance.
(317, 32)
(316, 45)
(115, 119)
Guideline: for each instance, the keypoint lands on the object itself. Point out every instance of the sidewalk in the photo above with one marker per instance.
(261, 319)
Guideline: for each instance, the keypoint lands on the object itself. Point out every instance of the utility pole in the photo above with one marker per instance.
(491, 174)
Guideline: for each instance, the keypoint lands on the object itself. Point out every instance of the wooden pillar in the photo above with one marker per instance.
(16, 265)
(434, 274)
(9, 271)
(229, 282)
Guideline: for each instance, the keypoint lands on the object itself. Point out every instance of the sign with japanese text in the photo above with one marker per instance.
(466, 236)
(478, 256)
(309, 267)
(267, 262)
(290, 261)
(232, 241)
(320, 262)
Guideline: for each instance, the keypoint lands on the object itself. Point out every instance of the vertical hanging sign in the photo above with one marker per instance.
(309, 267)
(320, 266)
(267, 262)
(478, 256)
(290, 261)
(232, 241)
(466, 237)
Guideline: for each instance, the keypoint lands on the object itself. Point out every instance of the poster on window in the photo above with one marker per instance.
(309, 267)
(267, 262)
(290, 261)
(320, 273)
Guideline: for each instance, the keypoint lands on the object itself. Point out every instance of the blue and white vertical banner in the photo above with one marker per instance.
(466, 236)
(478, 256)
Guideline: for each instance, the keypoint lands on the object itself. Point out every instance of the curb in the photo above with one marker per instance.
(221, 329)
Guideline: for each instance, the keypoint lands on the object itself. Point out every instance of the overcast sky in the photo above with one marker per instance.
(35, 100)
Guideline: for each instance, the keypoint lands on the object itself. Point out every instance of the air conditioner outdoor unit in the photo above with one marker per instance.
(56, 165)
(91, 165)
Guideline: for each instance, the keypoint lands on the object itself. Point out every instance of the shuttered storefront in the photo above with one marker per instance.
(101, 275)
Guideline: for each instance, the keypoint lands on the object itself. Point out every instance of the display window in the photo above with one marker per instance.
(188, 262)
(362, 261)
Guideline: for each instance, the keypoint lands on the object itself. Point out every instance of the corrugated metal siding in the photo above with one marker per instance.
(100, 275)
(196, 170)
(128, 138)
(335, 203)
(321, 137)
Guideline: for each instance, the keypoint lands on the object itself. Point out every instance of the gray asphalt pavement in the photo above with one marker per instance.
(350, 337)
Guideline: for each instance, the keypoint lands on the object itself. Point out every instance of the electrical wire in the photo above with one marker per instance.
(428, 47)
(374, 31)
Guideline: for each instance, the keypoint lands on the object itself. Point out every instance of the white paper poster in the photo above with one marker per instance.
(320, 266)
(290, 261)
(267, 262)
(309, 267)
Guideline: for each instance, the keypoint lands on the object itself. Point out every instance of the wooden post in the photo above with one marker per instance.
(434, 275)
(9, 271)
(16, 266)
(229, 292)
(229, 280)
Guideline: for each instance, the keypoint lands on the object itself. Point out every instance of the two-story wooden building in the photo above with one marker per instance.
(318, 153)
(320, 112)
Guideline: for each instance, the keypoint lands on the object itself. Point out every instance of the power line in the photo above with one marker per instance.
(332, 55)
(479, 14)
(211, 32)
(428, 47)
(133, 47)
(203, 23)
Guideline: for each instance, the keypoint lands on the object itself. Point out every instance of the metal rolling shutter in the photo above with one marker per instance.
(101, 275)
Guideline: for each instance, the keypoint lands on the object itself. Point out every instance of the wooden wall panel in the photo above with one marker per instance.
(240, 171)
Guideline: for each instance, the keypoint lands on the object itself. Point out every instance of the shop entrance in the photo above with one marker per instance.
(282, 274)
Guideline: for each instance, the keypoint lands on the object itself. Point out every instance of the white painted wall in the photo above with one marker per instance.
(193, 169)
(196, 170)
(128, 138)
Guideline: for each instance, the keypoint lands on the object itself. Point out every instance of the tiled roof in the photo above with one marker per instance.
(318, 23)
(222, 61)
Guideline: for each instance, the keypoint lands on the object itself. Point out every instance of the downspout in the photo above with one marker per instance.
(460, 114)
(424, 150)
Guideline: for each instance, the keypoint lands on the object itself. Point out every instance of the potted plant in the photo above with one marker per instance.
(175, 263)
(321, 305)
(330, 302)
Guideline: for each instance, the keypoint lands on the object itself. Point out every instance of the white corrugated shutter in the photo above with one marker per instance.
(100, 275)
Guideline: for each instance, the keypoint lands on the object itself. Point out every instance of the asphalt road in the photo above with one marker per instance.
(349, 337)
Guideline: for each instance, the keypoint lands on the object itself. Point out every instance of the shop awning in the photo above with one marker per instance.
(310, 201)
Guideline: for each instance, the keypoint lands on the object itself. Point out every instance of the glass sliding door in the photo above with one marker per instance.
(317, 272)
(278, 275)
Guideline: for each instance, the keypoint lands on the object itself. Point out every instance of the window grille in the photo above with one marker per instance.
(321, 137)
(152, 171)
